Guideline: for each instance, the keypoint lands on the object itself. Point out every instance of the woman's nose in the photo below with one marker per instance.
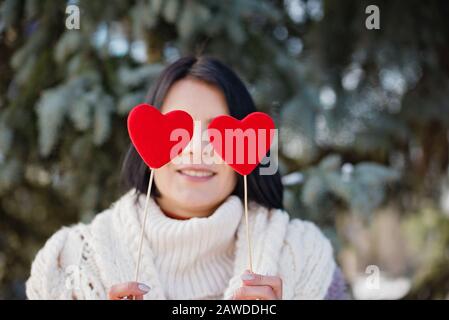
(197, 144)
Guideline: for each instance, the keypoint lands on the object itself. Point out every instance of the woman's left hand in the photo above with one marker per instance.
(259, 287)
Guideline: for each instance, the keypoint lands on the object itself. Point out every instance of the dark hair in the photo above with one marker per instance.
(267, 190)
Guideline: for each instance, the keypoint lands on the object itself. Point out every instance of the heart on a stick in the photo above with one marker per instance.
(242, 144)
(157, 137)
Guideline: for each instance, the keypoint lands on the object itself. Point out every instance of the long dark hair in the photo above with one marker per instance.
(266, 190)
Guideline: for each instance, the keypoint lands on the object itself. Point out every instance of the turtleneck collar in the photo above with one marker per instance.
(194, 257)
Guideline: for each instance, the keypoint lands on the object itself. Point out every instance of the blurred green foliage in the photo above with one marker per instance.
(363, 114)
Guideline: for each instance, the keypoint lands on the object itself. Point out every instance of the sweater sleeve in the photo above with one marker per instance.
(56, 267)
(312, 262)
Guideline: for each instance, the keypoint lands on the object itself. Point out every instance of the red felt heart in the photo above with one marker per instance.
(242, 144)
(157, 137)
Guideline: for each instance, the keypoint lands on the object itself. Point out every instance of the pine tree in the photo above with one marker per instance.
(363, 114)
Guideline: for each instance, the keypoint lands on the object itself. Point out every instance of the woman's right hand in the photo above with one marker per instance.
(128, 291)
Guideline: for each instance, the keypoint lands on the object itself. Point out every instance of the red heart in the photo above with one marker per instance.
(150, 132)
(243, 156)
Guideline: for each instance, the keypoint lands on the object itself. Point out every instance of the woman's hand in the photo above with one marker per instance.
(128, 291)
(259, 287)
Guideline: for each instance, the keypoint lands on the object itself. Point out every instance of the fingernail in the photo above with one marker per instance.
(247, 277)
(144, 288)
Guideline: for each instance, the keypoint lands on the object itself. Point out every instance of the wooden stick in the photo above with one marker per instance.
(245, 185)
(145, 215)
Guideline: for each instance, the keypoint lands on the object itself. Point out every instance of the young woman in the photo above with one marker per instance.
(195, 241)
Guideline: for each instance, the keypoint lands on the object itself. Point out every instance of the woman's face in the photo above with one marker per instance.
(198, 181)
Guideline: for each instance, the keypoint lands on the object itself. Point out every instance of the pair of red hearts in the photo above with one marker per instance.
(151, 134)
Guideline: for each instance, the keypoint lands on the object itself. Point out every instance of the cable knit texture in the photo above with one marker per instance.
(199, 258)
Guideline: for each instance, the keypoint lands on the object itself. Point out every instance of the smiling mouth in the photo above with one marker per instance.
(196, 173)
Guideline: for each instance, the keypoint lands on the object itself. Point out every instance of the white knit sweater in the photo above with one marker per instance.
(199, 258)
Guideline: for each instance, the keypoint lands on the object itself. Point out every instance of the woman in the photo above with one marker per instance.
(195, 241)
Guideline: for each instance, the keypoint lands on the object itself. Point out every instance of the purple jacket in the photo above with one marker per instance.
(338, 288)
